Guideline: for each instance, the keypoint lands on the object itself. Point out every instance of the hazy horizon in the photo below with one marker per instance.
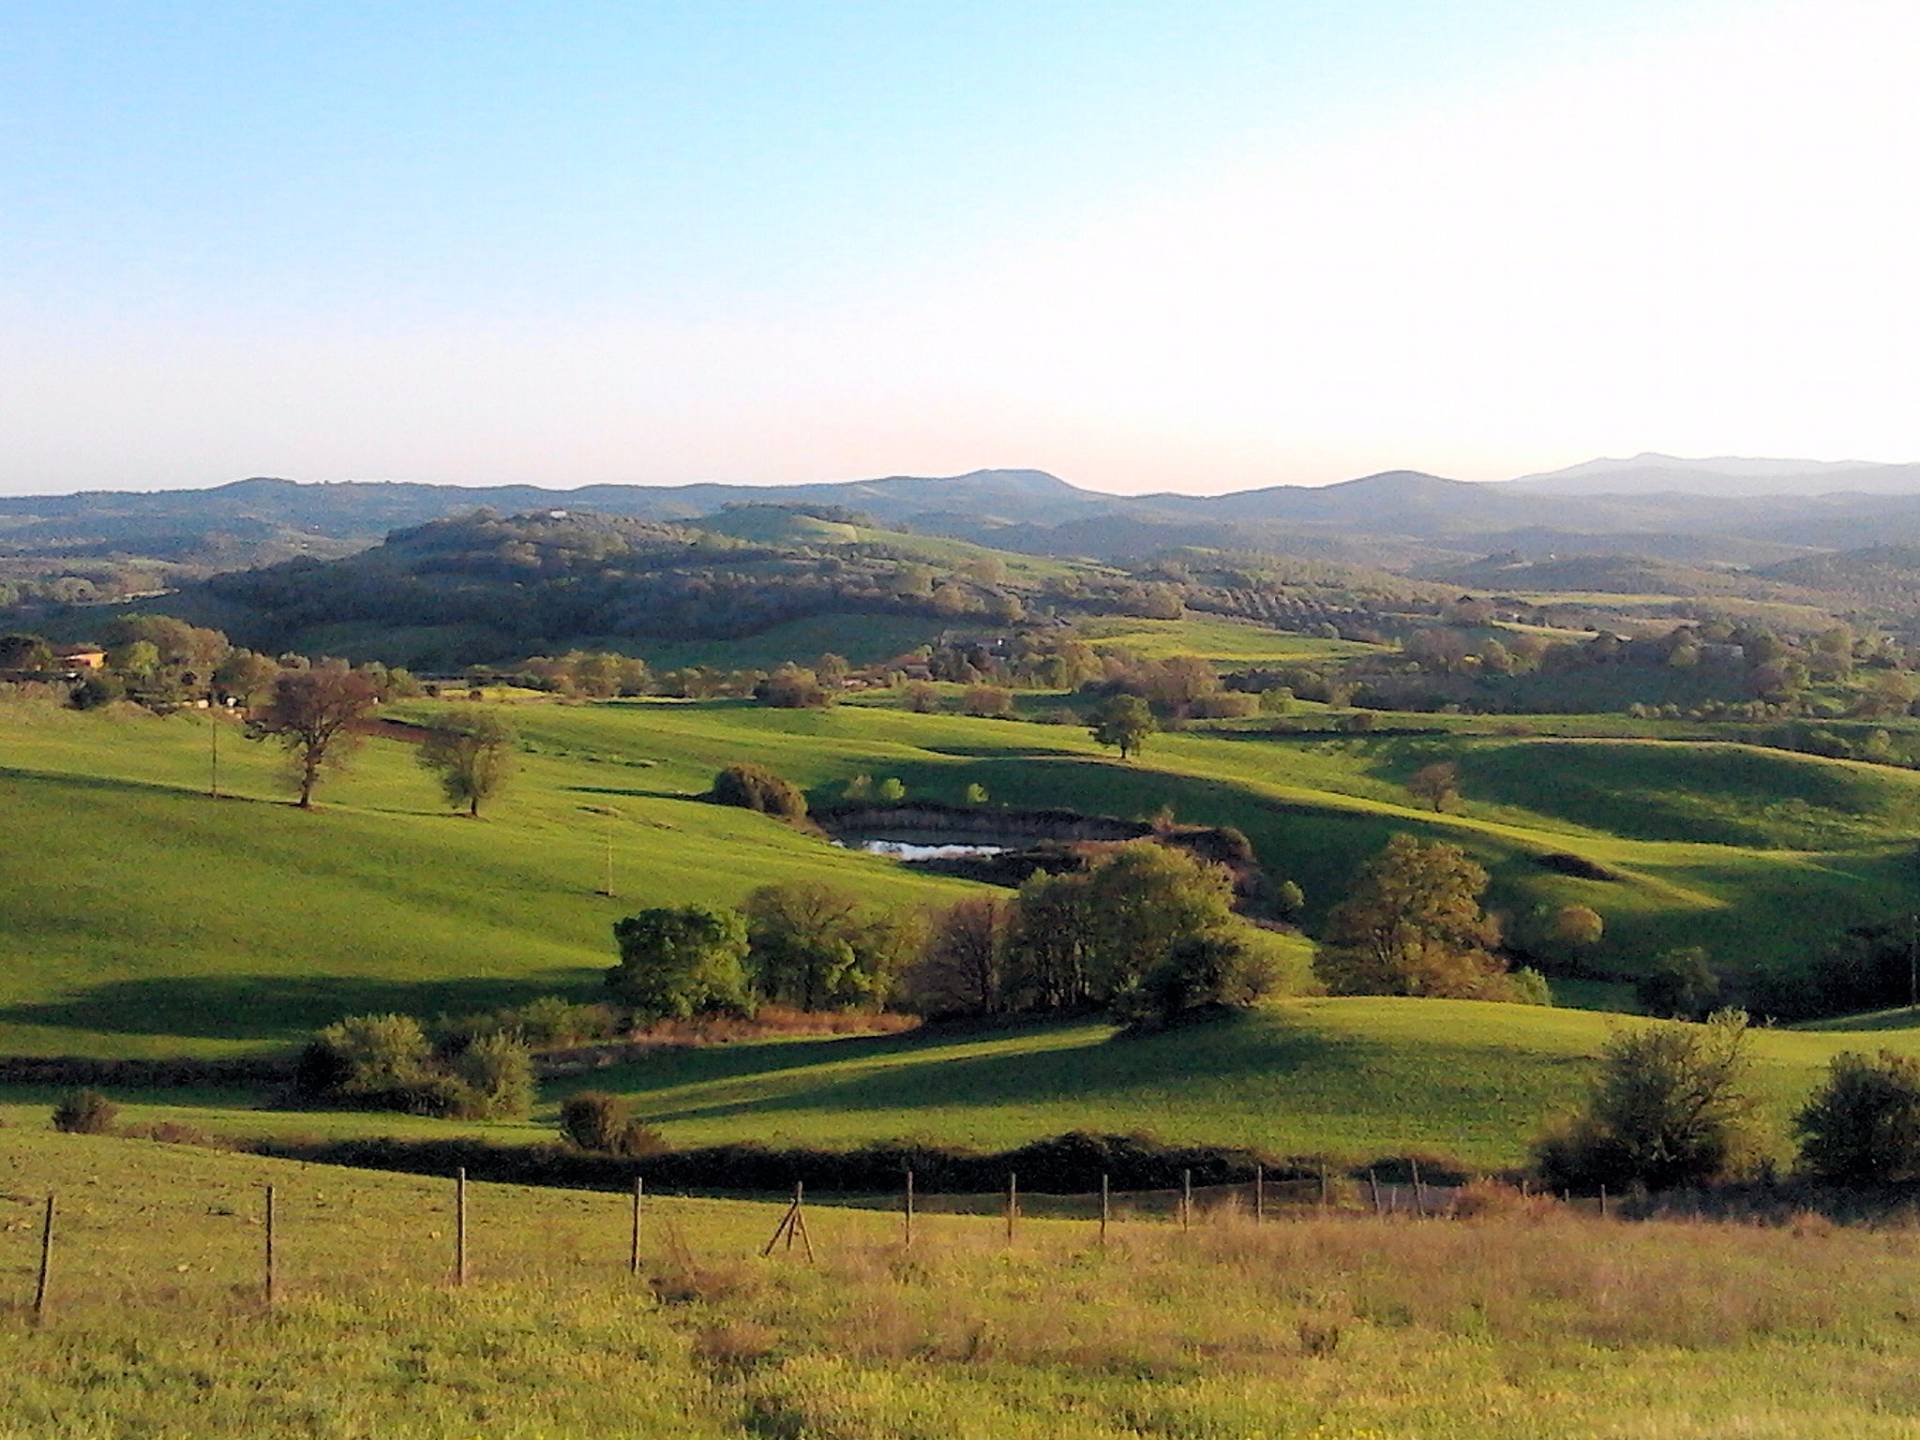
(1077, 482)
(1209, 249)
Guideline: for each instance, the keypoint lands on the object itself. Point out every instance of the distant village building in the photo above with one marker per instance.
(79, 657)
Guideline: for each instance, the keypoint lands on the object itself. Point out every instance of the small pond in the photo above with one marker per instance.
(910, 851)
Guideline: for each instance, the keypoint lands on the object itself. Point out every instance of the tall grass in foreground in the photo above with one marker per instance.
(1525, 1321)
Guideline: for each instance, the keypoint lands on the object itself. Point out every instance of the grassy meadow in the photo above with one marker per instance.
(1524, 1323)
(144, 918)
(1351, 1080)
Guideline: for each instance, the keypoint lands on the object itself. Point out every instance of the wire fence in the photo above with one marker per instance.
(428, 1236)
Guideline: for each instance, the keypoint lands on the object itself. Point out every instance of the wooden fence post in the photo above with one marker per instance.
(633, 1241)
(1323, 1187)
(273, 1269)
(1373, 1184)
(40, 1295)
(1186, 1198)
(1013, 1202)
(1603, 1202)
(1259, 1193)
(800, 1220)
(1105, 1205)
(460, 1226)
(909, 1211)
(1419, 1193)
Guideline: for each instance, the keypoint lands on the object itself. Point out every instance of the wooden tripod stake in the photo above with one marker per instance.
(794, 1222)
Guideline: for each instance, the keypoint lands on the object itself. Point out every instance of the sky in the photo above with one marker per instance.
(1199, 246)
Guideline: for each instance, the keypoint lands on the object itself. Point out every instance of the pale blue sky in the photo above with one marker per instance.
(1183, 245)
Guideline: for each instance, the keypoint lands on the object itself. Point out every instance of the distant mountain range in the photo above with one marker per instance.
(1654, 474)
(1716, 511)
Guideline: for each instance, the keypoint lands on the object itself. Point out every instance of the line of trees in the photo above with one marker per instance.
(1147, 933)
(812, 946)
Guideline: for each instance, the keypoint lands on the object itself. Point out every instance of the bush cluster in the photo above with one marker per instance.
(604, 1125)
(85, 1112)
(755, 787)
(386, 1062)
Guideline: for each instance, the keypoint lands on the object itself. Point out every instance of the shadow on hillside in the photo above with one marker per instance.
(278, 1009)
(673, 1068)
(1905, 1018)
(635, 792)
(1091, 1075)
(63, 780)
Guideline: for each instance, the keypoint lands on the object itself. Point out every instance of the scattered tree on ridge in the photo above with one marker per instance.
(754, 787)
(1576, 927)
(1123, 724)
(311, 714)
(1680, 985)
(1437, 785)
(472, 751)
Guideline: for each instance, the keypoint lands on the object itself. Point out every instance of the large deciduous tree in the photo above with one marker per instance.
(472, 751)
(677, 962)
(962, 968)
(311, 714)
(1413, 926)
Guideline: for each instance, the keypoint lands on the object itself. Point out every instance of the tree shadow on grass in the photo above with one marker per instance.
(1090, 1074)
(672, 1068)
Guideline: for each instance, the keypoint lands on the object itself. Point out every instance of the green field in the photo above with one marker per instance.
(1229, 642)
(1509, 1327)
(144, 918)
(1352, 1080)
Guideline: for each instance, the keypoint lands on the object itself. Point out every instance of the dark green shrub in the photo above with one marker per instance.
(541, 1024)
(432, 1093)
(365, 1055)
(1668, 1108)
(84, 1112)
(1527, 986)
(595, 1120)
(603, 1124)
(1863, 1126)
(754, 787)
(96, 690)
(498, 1069)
